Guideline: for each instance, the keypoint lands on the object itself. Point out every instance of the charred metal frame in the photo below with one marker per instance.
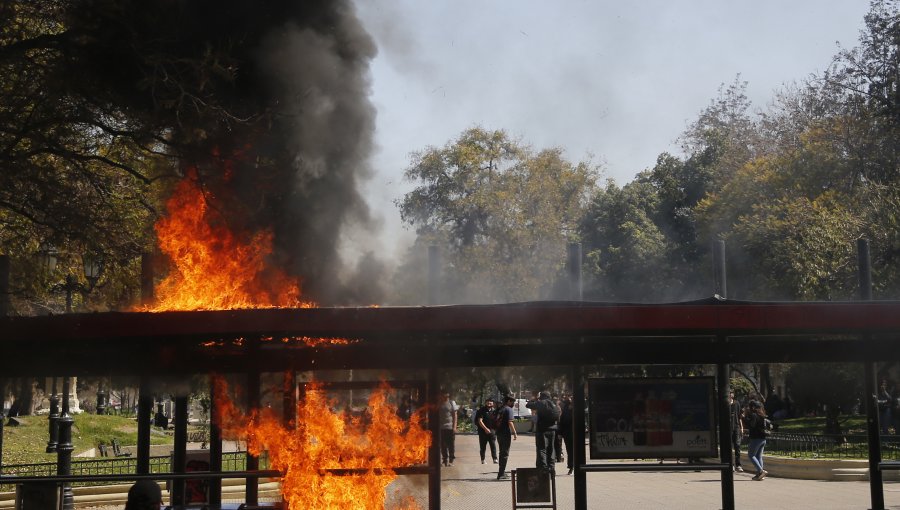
(565, 334)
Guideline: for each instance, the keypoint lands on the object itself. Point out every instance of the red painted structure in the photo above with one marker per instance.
(547, 333)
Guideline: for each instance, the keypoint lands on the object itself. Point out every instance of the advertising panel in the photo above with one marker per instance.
(652, 418)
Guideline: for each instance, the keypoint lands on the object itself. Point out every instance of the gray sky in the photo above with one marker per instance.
(619, 80)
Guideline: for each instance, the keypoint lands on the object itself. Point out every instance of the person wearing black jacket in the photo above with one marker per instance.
(566, 413)
(756, 429)
(545, 433)
(737, 430)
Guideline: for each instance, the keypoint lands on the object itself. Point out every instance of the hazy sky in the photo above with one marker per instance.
(616, 79)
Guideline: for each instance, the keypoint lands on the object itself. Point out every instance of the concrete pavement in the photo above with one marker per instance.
(469, 485)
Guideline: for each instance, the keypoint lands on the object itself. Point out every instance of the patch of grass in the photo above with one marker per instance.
(850, 424)
(27, 443)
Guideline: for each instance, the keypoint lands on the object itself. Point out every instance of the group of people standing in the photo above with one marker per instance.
(749, 420)
(496, 428)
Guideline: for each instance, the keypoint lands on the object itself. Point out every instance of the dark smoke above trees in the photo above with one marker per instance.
(103, 104)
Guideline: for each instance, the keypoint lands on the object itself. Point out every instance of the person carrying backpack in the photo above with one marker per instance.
(548, 414)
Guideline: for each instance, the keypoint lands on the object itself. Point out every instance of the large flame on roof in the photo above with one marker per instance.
(325, 440)
(211, 267)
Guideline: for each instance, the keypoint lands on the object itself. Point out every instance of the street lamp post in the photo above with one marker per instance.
(65, 447)
(53, 419)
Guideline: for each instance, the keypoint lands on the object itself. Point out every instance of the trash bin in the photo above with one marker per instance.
(37, 496)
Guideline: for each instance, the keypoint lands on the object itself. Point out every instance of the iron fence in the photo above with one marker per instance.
(231, 461)
(829, 446)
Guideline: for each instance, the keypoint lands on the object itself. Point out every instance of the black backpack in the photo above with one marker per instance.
(548, 412)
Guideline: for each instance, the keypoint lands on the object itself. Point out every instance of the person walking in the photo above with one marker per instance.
(548, 414)
(885, 400)
(506, 433)
(565, 429)
(484, 421)
(447, 420)
(756, 429)
(737, 431)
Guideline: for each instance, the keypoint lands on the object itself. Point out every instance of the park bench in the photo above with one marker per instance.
(116, 449)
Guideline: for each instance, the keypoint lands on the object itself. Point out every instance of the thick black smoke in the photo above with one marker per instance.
(269, 101)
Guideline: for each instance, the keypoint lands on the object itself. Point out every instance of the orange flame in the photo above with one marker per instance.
(212, 269)
(327, 440)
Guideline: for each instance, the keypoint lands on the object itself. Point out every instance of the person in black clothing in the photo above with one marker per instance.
(737, 430)
(545, 433)
(484, 420)
(506, 432)
(144, 495)
(565, 429)
(885, 400)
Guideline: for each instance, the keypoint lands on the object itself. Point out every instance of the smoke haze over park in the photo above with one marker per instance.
(614, 81)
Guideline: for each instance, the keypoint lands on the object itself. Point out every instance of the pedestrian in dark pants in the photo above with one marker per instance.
(565, 430)
(737, 431)
(506, 433)
(484, 420)
(447, 420)
(548, 414)
(885, 399)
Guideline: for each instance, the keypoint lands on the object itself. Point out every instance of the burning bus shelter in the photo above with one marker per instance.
(430, 338)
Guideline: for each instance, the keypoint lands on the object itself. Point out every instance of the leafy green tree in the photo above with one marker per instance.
(503, 212)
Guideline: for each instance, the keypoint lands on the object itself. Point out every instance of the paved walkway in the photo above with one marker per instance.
(469, 485)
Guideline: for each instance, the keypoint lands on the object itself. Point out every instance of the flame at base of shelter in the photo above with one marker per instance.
(330, 459)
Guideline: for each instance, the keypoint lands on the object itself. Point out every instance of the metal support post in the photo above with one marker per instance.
(215, 449)
(252, 491)
(145, 408)
(573, 268)
(179, 452)
(434, 452)
(726, 454)
(434, 274)
(65, 447)
(579, 437)
(876, 484)
(53, 419)
(101, 399)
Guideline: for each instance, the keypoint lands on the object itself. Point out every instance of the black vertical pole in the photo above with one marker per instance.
(65, 447)
(573, 268)
(876, 486)
(252, 482)
(179, 451)
(719, 272)
(289, 399)
(725, 451)
(434, 453)
(723, 380)
(434, 273)
(53, 420)
(579, 437)
(4, 312)
(145, 407)
(215, 449)
(145, 399)
(433, 391)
